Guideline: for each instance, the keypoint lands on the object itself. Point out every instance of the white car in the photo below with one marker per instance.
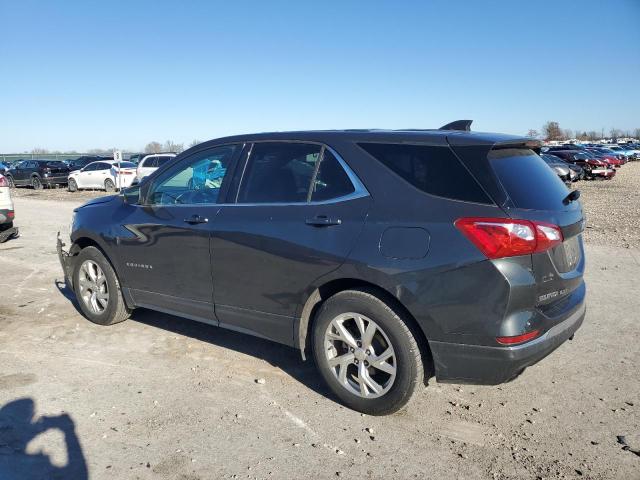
(7, 212)
(151, 163)
(108, 175)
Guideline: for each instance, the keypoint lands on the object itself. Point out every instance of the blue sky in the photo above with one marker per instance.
(101, 74)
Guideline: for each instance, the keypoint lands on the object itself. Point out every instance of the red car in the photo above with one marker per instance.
(611, 158)
(593, 167)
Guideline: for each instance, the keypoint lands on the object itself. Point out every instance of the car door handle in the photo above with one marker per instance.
(194, 219)
(323, 221)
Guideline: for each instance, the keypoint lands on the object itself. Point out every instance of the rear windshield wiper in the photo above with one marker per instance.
(572, 197)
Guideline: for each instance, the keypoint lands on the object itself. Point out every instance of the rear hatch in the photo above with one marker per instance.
(525, 188)
(56, 168)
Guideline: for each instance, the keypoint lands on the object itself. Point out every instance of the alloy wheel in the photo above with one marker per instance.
(360, 355)
(93, 287)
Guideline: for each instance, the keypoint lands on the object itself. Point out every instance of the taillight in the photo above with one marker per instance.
(3, 181)
(525, 337)
(504, 237)
(11, 214)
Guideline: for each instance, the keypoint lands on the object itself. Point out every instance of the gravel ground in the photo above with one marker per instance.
(160, 397)
(60, 194)
(613, 208)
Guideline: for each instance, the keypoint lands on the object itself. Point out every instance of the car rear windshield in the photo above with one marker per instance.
(56, 165)
(434, 170)
(528, 181)
(126, 165)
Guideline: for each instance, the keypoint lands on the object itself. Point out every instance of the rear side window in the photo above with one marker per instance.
(331, 181)
(279, 172)
(434, 170)
(527, 180)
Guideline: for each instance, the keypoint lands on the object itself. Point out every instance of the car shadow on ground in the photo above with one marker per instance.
(280, 356)
(283, 357)
(19, 426)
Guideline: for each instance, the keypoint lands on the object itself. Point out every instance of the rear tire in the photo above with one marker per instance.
(97, 288)
(390, 366)
(109, 186)
(36, 183)
(12, 184)
(72, 185)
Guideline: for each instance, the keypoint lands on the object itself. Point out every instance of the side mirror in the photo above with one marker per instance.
(131, 195)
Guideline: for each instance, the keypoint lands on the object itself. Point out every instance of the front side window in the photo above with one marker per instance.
(279, 172)
(148, 162)
(197, 181)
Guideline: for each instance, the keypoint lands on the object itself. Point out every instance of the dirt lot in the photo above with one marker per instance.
(161, 397)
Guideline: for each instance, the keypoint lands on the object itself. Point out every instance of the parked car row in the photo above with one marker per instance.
(589, 161)
(93, 172)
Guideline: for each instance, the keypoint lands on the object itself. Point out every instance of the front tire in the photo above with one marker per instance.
(109, 186)
(366, 353)
(12, 184)
(36, 183)
(72, 186)
(97, 288)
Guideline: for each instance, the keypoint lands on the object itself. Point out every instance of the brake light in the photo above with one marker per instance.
(11, 214)
(525, 337)
(504, 237)
(3, 181)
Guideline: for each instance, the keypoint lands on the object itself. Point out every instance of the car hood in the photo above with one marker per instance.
(97, 201)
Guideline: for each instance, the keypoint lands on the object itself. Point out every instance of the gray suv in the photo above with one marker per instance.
(388, 256)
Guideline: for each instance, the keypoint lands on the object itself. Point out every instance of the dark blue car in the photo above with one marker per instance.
(389, 256)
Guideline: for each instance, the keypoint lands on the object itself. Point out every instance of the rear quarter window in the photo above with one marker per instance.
(527, 180)
(434, 170)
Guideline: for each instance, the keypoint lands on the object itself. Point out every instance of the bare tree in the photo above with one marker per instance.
(636, 133)
(170, 146)
(153, 147)
(39, 151)
(592, 135)
(614, 133)
(194, 143)
(533, 133)
(567, 134)
(552, 131)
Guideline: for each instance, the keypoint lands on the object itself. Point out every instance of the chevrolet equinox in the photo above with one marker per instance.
(389, 256)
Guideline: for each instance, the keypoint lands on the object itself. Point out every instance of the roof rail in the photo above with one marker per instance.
(464, 125)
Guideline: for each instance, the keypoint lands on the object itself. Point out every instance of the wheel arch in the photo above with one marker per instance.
(84, 241)
(313, 303)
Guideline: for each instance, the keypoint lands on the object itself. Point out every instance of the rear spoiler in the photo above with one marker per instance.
(462, 125)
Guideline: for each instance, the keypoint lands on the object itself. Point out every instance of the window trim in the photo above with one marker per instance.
(359, 191)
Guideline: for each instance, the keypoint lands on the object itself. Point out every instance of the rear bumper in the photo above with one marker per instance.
(62, 180)
(478, 364)
(604, 173)
(6, 215)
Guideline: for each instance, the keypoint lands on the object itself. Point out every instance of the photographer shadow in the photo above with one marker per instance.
(18, 427)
